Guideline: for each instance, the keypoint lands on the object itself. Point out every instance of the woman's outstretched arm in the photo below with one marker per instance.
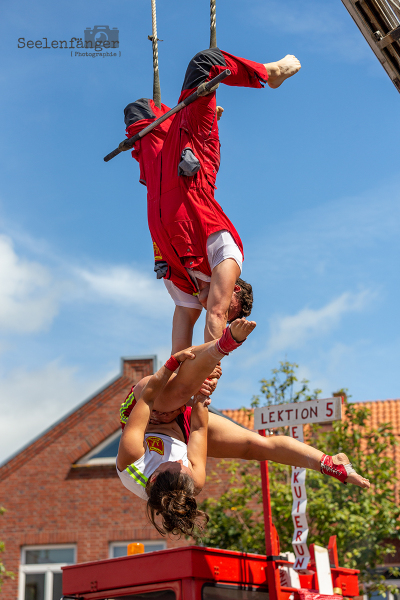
(197, 445)
(192, 374)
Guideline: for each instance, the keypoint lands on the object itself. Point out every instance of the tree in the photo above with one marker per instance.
(363, 521)
(3, 572)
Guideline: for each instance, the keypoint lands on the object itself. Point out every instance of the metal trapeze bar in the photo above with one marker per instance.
(202, 90)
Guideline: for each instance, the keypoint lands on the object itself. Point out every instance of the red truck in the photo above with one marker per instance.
(196, 573)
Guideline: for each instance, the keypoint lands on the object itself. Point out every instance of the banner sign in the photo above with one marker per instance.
(299, 507)
(295, 415)
(301, 413)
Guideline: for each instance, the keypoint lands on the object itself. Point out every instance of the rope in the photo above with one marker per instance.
(213, 24)
(156, 74)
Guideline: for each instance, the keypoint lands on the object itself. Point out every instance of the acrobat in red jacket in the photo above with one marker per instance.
(182, 211)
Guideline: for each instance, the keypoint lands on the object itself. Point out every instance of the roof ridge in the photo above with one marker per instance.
(57, 429)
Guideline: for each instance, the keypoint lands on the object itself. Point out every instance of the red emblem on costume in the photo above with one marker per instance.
(155, 444)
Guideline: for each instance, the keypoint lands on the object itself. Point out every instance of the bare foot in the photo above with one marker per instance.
(281, 70)
(241, 328)
(354, 478)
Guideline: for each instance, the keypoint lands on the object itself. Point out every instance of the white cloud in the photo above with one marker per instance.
(295, 330)
(31, 401)
(126, 286)
(31, 291)
(28, 302)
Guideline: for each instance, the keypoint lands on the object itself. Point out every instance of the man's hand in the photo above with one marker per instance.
(183, 355)
(220, 110)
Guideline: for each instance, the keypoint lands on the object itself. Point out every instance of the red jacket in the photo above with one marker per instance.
(182, 211)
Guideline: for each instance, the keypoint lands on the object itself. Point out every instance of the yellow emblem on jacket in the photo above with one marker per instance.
(155, 444)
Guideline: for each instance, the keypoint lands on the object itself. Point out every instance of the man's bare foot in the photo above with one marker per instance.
(281, 70)
(354, 478)
(241, 328)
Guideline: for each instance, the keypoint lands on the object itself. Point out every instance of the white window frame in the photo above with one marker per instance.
(87, 460)
(112, 545)
(48, 568)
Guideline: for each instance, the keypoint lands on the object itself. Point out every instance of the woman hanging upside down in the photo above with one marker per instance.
(165, 463)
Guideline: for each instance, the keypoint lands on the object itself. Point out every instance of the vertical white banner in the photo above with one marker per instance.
(299, 507)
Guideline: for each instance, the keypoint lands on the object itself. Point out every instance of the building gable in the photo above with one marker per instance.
(77, 433)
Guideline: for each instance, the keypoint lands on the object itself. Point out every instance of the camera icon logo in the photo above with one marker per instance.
(102, 33)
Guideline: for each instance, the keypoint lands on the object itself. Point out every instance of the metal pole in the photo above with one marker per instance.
(202, 90)
(271, 546)
(271, 538)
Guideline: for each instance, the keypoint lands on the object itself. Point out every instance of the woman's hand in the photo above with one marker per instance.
(208, 386)
(217, 372)
(183, 355)
(200, 399)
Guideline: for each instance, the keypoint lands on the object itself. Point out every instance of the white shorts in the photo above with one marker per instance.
(220, 246)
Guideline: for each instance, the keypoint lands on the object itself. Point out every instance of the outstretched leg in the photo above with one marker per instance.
(228, 440)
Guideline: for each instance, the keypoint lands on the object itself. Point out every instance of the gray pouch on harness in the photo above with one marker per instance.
(161, 268)
(189, 164)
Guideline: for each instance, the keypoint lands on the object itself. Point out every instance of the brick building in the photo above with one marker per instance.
(65, 503)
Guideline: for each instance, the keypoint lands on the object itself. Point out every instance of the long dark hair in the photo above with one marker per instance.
(171, 495)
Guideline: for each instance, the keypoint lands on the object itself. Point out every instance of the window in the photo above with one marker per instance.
(118, 549)
(103, 454)
(230, 592)
(41, 575)
(159, 595)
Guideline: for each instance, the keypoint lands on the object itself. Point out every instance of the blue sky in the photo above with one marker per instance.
(309, 177)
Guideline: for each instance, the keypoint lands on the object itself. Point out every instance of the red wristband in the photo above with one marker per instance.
(172, 364)
(340, 472)
(226, 343)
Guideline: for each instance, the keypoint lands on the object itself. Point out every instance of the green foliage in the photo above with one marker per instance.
(280, 388)
(3, 572)
(236, 519)
(362, 520)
